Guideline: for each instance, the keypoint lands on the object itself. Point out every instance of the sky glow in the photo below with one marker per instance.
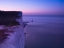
(33, 6)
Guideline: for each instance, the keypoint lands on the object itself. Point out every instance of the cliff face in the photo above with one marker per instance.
(11, 29)
(8, 17)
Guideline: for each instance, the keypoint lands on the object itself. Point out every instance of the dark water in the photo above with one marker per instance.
(45, 32)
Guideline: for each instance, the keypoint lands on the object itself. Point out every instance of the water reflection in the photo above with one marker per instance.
(47, 35)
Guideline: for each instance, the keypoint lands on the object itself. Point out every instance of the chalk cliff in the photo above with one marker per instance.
(11, 29)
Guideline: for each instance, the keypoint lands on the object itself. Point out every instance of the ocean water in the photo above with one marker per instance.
(44, 32)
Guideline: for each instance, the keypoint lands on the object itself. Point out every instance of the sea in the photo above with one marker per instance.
(44, 31)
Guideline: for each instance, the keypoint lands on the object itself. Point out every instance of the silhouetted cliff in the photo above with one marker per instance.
(8, 18)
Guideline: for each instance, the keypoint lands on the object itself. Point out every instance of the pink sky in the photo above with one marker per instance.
(33, 6)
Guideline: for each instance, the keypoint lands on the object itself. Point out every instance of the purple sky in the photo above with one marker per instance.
(52, 7)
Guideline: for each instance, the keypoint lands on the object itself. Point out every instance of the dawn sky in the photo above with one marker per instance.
(34, 6)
